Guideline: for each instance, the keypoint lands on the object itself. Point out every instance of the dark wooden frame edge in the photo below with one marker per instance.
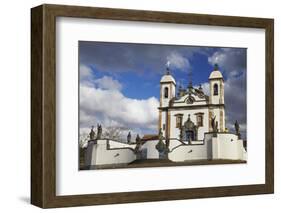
(43, 105)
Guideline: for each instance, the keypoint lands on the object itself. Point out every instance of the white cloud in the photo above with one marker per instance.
(176, 60)
(217, 58)
(206, 88)
(85, 71)
(231, 60)
(112, 108)
(107, 82)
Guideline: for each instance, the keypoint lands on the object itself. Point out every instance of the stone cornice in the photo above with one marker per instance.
(191, 107)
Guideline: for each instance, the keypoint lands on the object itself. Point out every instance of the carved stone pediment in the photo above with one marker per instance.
(199, 93)
(190, 99)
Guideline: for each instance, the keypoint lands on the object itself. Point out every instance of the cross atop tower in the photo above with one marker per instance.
(216, 67)
(168, 68)
(189, 74)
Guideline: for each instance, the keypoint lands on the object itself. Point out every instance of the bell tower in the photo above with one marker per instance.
(167, 88)
(167, 93)
(216, 99)
(216, 86)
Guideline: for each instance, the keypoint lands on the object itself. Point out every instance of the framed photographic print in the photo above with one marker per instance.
(135, 106)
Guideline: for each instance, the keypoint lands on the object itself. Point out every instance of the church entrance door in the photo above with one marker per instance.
(189, 135)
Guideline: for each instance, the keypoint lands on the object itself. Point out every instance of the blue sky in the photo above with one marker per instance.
(144, 82)
(130, 74)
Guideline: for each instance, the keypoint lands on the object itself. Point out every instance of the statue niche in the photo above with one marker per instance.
(189, 130)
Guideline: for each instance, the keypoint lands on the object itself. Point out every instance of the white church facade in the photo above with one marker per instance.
(188, 115)
(191, 128)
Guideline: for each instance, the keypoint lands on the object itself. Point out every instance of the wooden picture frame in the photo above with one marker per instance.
(43, 105)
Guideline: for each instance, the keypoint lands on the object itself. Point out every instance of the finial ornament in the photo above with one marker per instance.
(181, 90)
(190, 82)
(216, 67)
(189, 73)
(168, 68)
(190, 86)
(168, 64)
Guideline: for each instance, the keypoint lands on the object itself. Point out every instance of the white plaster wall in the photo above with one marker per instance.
(152, 152)
(197, 142)
(222, 92)
(173, 91)
(189, 152)
(116, 144)
(163, 121)
(223, 120)
(100, 155)
(224, 146)
(227, 146)
(90, 155)
(174, 143)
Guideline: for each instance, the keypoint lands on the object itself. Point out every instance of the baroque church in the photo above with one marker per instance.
(191, 128)
(189, 114)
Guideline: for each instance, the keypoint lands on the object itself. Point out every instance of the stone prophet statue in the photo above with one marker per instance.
(129, 137)
(99, 131)
(138, 140)
(161, 146)
(216, 128)
(138, 143)
(237, 129)
(213, 123)
(160, 134)
(92, 134)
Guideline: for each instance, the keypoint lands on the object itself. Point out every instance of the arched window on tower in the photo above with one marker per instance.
(166, 92)
(216, 89)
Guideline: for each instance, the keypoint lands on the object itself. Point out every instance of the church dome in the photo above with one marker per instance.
(167, 78)
(216, 73)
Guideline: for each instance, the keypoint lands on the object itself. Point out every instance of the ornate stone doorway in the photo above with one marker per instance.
(189, 130)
